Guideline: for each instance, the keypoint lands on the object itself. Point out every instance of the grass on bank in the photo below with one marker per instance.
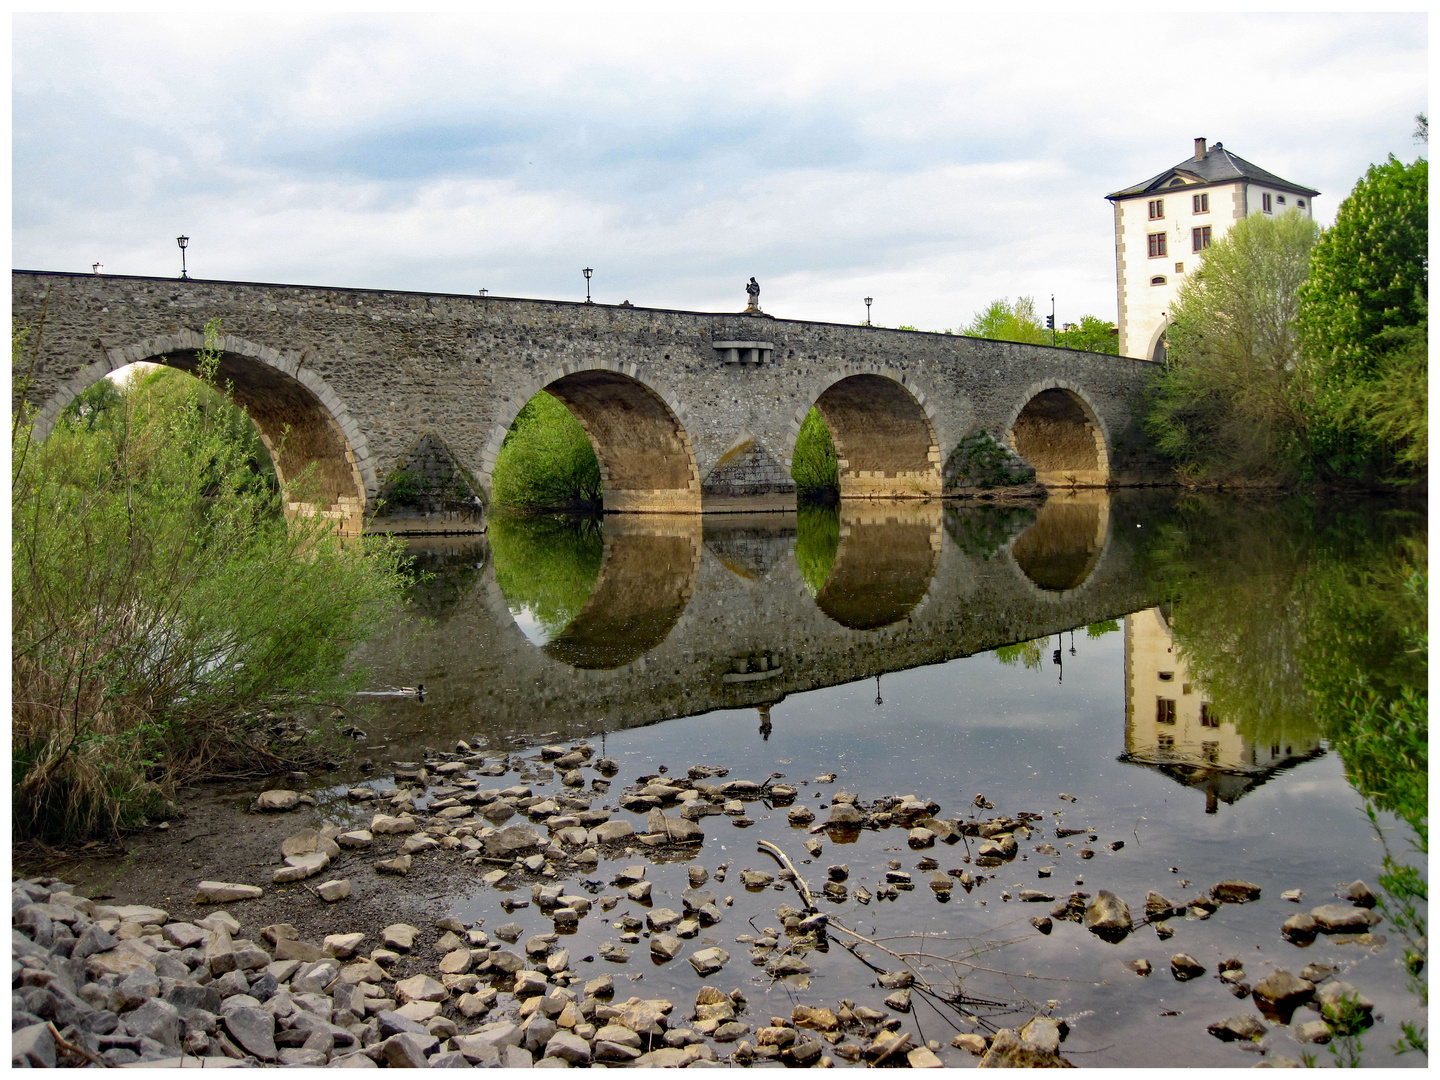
(162, 607)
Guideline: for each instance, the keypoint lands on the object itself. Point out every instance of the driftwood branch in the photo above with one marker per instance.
(784, 860)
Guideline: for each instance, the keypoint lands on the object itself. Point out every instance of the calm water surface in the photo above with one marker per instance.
(1181, 669)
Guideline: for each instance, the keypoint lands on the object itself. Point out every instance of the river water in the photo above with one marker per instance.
(1181, 670)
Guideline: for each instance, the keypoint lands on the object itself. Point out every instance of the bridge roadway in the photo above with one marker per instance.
(687, 411)
(693, 614)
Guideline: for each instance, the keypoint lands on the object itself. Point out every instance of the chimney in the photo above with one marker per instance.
(1200, 149)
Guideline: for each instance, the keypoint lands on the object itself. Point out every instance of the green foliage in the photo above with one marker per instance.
(1370, 272)
(547, 564)
(546, 461)
(1364, 316)
(981, 531)
(817, 541)
(91, 405)
(1090, 334)
(815, 467)
(1003, 320)
(1233, 402)
(1100, 629)
(159, 597)
(1027, 653)
(402, 488)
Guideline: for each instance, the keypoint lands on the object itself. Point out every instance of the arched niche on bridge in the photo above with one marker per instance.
(1055, 429)
(884, 561)
(1058, 553)
(634, 425)
(302, 421)
(616, 612)
(884, 434)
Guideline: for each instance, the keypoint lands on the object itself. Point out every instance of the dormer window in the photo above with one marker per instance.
(1157, 209)
(1177, 182)
(1158, 279)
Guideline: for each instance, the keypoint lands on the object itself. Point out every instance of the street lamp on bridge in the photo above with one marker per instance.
(868, 301)
(184, 242)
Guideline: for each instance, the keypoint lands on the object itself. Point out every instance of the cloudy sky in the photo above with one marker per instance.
(932, 162)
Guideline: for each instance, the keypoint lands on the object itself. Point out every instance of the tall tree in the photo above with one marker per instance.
(1363, 316)
(1232, 401)
(1371, 272)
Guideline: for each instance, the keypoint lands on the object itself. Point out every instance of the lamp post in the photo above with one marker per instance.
(587, 272)
(184, 242)
(96, 267)
(868, 301)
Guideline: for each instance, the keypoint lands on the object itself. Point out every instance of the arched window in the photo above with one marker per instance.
(1158, 279)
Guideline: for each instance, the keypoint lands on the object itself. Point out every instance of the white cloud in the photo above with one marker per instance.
(933, 162)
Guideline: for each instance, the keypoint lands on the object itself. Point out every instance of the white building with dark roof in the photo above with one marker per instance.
(1163, 226)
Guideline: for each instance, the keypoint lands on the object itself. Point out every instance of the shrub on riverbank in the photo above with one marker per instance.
(158, 598)
(546, 461)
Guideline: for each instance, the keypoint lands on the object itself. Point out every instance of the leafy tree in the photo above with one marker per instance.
(1363, 316)
(1090, 334)
(1370, 273)
(1006, 321)
(1233, 400)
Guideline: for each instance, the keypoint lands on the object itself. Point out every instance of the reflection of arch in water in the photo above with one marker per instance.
(1056, 430)
(642, 589)
(634, 424)
(301, 420)
(884, 433)
(1060, 551)
(885, 561)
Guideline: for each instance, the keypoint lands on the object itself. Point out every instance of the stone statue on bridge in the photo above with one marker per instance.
(752, 290)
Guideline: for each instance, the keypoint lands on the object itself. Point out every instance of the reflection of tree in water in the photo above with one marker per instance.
(1028, 653)
(546, 565)
(445, 570)
(817, 539)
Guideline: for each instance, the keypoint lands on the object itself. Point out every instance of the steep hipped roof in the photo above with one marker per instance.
(1218, 166)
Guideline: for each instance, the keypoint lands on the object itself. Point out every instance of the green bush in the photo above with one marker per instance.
(159, 597)
(546, 461)
(815, 467)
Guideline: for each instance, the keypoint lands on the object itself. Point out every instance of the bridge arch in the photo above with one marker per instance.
(301, 419)
(634, 423)
(1055, 428)
(884, 429)
(883, 565)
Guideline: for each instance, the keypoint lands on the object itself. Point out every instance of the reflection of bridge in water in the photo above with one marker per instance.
(692, 614)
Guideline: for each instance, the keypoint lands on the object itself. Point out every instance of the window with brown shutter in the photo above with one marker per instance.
(1201, 203)
(1200, 237)
(1157, 245)
(1157, 209)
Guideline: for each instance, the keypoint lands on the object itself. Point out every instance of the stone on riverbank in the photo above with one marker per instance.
(1235, 891)
(1108, 917)
(333, 890)
(277, 801)
(1185, 967)
(1343, 919)
(224, 892)
(1246, 1027)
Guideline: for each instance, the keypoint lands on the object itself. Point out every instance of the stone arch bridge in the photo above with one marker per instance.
(687, 411)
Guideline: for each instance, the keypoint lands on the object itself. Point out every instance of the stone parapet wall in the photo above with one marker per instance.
(372, 372)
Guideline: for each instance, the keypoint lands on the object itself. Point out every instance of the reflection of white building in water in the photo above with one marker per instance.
(1170, 723)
